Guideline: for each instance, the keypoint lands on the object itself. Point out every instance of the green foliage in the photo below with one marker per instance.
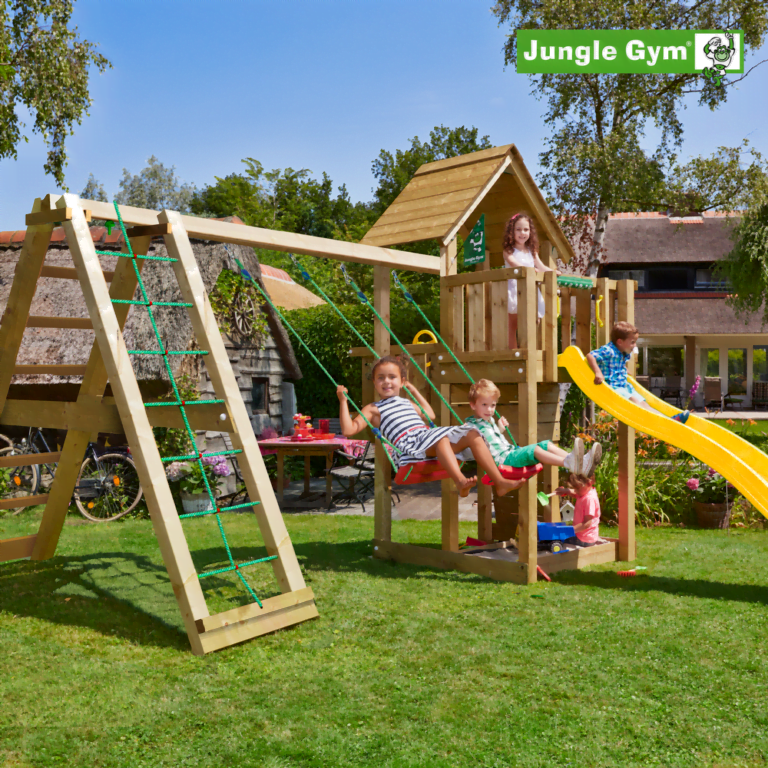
(229, 286)
(570, 413)
(156, 187)
(5, 481)
(746, 266)
(293, 467)
(709, 487)
(45, 69)
(94, 190)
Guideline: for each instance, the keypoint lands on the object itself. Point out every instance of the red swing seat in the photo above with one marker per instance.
(426, 471)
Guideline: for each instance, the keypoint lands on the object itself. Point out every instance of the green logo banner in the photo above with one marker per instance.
(712, 53)
(474, 245)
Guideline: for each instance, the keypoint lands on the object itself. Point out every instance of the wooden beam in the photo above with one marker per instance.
(583, 320)
(152, 230)
(500, 570)
(565, 317)
(24, 501)
(17, 548)
(69, 273)
(549, 336)
(382, 511)
(257, 237)
(54, 370)
(627, 546)
(579, 558)
(55, 216)
(490, 276)
(46, 321)
(28, 459)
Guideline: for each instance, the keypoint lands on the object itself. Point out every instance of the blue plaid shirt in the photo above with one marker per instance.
(613, 364)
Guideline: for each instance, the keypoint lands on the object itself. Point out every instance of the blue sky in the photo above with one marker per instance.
(308, 84)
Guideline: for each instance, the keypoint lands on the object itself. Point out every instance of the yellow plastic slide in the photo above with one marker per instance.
(734, 458)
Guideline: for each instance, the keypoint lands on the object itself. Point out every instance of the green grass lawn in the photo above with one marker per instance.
(406, 666)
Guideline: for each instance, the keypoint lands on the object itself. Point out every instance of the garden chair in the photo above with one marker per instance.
(672, 388)
(759, 394)
(356, 478)
(644, 382)
(713, 392)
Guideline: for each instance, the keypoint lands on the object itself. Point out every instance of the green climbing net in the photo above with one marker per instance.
(182, 405)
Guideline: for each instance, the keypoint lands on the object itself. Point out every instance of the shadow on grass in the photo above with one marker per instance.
(712, 590)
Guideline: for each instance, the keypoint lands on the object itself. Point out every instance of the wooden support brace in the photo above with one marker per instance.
(23, 501)
(28, 459)
(69, 273)
(17, 549)
(55, 216)
(45, 321)
(152, 230)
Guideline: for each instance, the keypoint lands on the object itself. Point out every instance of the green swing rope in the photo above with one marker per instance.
(364, 299)
(247, 275)
(359, 335)
(181, 404)
(410, 298)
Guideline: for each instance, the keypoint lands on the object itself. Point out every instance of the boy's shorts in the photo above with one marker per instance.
(627, 392)
(523, 457)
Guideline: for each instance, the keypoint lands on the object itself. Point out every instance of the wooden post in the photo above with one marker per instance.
(449, 494)
(565, 317)
(527, 303)
(627, 549)
(690, 361)
(583, 319)
(550, 326)
(382, 514)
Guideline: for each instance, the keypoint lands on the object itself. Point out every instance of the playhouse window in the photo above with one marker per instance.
(259, 394)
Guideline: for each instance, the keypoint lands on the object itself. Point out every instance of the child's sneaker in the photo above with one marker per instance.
(682, 417)
(574, 461)
(592, 459)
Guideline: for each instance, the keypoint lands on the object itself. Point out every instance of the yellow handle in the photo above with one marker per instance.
(597, 312)
(432, 339)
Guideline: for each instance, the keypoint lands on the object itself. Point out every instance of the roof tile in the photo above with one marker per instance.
(18, 236)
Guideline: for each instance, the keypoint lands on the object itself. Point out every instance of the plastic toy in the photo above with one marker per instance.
(552, 536)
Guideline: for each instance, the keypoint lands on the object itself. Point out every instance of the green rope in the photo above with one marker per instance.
(237, 567)
(183, 402)
(244, 272)
(160, 352)
(410, 298)
(219, 509)
(364, 299)
(359, 335)
(180, 402)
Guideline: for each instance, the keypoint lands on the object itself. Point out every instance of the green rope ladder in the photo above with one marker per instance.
(182, 406)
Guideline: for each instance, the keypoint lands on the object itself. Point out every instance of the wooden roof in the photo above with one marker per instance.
(448, 196)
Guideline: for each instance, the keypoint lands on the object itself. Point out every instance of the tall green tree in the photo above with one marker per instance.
(593, 160)
(44, 67)
(155, 187)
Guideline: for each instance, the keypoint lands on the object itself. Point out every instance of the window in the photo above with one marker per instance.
(760, 364)
(666, 361)
(706, 281)
(710, 362)
(668, 279)
(628, 274)
(259, 395)
(737, 371)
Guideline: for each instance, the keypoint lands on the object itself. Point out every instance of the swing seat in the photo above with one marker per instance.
(516, 473)
(427, 471)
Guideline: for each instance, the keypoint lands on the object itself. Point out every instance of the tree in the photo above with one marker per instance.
(44, 67)
(93, 190)
(156, 187)
(593, 162)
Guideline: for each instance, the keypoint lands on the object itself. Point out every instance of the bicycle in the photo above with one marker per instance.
(17, 482)
(107, 486)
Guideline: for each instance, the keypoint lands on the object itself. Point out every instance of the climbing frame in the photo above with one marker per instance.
(110, 362)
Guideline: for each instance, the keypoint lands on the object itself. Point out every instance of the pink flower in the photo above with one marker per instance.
(693, 483)
(711, 472)
(222, 470)
(212, 461)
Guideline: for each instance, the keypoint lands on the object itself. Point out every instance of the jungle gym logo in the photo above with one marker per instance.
(711, 53)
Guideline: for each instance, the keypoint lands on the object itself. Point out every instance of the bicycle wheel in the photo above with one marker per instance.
(20, 481)
(107, 488)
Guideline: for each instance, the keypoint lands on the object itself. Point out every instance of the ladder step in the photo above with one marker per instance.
(69, 273)
(55, 370)
(18, 548)
(24, 501)
(26, 459)
(43, 321)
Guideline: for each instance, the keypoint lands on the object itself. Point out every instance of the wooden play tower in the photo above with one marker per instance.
(447, 198)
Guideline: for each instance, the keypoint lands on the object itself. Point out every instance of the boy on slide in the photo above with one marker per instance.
(609, 364)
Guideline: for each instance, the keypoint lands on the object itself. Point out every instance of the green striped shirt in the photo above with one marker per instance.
(497, 443)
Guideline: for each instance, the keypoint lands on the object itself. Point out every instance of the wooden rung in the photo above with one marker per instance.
(42, 321)
(69, 273)
(24, 501)
(25, 459)
(153, 230)
(52, 217)
(55, 370)
(18, 548)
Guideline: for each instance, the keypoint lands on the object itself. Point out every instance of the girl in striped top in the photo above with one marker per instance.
(403, 425)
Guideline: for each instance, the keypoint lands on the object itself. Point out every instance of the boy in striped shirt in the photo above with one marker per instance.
(483, 397)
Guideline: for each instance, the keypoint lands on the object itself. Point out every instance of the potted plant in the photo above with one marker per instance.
(192, 481)
(712, 497)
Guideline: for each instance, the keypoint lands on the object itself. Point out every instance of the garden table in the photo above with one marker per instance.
(284, 446)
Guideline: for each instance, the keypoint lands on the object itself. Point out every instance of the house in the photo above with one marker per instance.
(265, 364)
(686, 328)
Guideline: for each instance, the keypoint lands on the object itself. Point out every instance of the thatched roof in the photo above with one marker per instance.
(64, 298)
(285, 292)
(648, 238)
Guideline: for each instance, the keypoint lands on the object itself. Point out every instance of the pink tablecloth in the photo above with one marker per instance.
(353, 447)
